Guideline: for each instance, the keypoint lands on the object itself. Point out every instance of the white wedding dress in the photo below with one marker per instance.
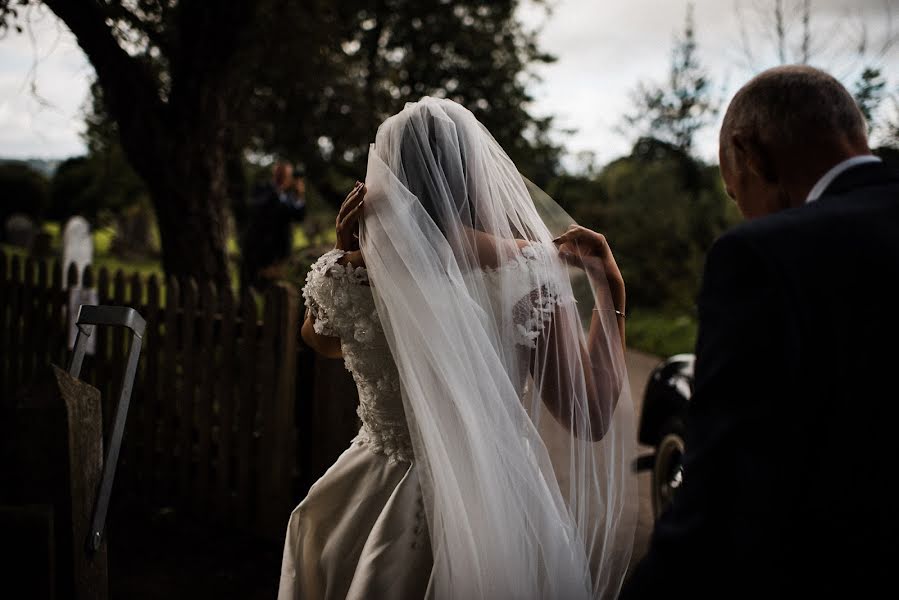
(497, 433)
(361, 530)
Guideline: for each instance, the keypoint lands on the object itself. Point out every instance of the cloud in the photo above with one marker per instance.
(44, 83)
(604, 49)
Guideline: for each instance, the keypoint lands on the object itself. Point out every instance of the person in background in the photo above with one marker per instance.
(268, 237)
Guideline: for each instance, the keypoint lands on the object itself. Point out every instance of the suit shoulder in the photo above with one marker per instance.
(775, 225)
(755, 236)
(736, 255)
(759, 245)
(784, 230)
(806, 233)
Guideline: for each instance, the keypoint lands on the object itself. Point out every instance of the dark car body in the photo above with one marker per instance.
(668, 392)
(665, 403)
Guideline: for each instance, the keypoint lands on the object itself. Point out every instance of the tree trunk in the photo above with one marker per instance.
(191, 200)
(178, 146)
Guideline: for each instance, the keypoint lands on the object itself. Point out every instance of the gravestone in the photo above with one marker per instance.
(19, 230)
(78, 249)
(77, 245)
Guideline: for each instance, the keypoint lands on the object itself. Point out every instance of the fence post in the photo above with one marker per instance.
(267, 365)
(187, 398)
(226, 394)
(282, 426)
(15, 311)
(246, 407)
(152, 393)
(6, 317)
(206, 395)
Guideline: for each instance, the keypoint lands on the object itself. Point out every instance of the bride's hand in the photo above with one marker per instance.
(582, 247)
(348, 219)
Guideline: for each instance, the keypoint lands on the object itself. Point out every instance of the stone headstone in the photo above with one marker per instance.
(78, 249)
(19, 230)
(77, 245)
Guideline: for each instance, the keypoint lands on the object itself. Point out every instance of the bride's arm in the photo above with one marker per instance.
(347, 230)
(597, 361)
(326, 345)
(570, 359)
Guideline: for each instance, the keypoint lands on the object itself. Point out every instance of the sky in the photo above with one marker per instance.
(604, 48)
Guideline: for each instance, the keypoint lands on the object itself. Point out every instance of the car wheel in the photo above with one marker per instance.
(667, 473)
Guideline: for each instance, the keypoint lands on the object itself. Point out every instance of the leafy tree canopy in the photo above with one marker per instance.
(189, 87)
(22, 190)
(675, 111)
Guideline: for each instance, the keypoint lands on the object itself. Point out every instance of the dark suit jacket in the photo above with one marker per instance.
(267, 238)
(792, 459)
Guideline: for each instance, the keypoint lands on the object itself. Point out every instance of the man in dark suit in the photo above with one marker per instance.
(267, 240)
(791, 445)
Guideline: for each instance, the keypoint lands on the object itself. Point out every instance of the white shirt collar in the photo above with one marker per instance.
(836, 171)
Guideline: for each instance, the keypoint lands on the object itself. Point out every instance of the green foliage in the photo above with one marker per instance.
(374, 56)
(661, 333)
(190, 87)
(676, 111)
(869, 93)
(101, 186)
(22, 190)
(104, 188)
(660, 211)
(68, 190)
(94, 184)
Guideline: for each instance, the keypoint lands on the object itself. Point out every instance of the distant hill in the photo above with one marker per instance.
(44, 166)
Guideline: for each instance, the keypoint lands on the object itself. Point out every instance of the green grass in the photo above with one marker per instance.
(103, 239)
(661, 333)
(51, 227)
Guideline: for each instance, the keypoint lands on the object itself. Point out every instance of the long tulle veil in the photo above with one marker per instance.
(515, 393)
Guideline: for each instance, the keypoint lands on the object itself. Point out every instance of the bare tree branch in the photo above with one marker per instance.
(806, 31)
(780, 31)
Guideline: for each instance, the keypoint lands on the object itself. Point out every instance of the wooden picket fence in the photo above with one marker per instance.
(212, 425)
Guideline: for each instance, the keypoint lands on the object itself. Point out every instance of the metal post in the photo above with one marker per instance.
(88, 317)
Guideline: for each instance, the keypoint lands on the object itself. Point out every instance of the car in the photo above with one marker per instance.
(665, 403)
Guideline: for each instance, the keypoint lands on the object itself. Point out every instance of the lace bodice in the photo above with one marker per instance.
(341, 302)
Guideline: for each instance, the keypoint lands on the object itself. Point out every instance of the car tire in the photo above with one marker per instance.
(667, 472)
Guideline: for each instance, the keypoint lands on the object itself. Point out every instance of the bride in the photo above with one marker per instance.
(497, 431)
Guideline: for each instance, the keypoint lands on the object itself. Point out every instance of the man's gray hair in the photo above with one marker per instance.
(795, 105)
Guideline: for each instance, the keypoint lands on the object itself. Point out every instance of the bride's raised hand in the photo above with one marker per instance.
(348, 219)
(588, 249)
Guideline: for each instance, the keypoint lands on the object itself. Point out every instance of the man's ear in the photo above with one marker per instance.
(749, 151)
